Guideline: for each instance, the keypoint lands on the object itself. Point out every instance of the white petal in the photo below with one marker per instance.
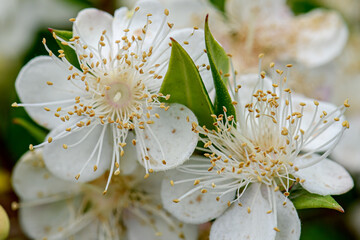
(195, 49)
(236, 223)
(325, 178)
(160, 230)
(42, 221)
(261, 11)
(31, 180)
(172, 134)
(139, 19)
(31, 86)
(288, 220)
(128, 162)
(90, 24)
(195, 208)
(317, 144)
(67, 163)
(347, 151)
(321, 36)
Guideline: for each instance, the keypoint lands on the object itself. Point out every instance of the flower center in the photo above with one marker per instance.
(119, 95)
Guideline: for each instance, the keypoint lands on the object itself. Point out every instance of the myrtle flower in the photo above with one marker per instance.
(52, 208)
(109, 112)
(251, 164)
(312, 39)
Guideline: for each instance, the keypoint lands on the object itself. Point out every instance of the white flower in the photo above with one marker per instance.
(268, 26)
(251, 165)
(99, 113)
(51, 208)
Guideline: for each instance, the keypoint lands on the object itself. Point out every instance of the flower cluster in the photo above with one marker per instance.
(98, 174)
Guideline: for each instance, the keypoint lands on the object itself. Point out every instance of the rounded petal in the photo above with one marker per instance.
(261, 11)
(325, 178)
(288, 220)
(31, 180)
(197, 207)
(42, 221)
(237, 223)
(170, 138)
(89, 26)
(67, 163)
(158, 229)
(128, 162)
(34, 76)
(318, 141)
(321, 36)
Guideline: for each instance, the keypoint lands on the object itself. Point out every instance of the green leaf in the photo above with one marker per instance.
(302, 199)
(184, 84)
(35, 131)
(219, 4)
(70, 54)
(219, 61)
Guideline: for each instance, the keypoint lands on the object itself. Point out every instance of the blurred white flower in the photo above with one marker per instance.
(251, 164)
(110, 109)
(51, 208)
(19, 19)
(266, 26)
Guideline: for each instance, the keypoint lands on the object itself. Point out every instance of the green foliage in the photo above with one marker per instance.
(219, 4)
(35, 131)
(302, 199)
(70, 54)
(184, 84)
(219, 61)
(302, 6)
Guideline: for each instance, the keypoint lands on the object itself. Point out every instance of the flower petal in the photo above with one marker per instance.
(288, 221)
(171, 134)
(158, 229)
(321, 36)
(347, 151)
(89, 26)
(197, 207)
(325, 178)
(31, 180)
(42, 221)
(128, 162)
(236, 223)
(135, 21)
(35, 75)
(317, 141)
(67, 163)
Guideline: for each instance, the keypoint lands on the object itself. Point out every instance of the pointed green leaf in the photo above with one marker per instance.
(70, 54)
(219, 4)
(219, 61)
(184, 84)
(38, 133)
(302, 199)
